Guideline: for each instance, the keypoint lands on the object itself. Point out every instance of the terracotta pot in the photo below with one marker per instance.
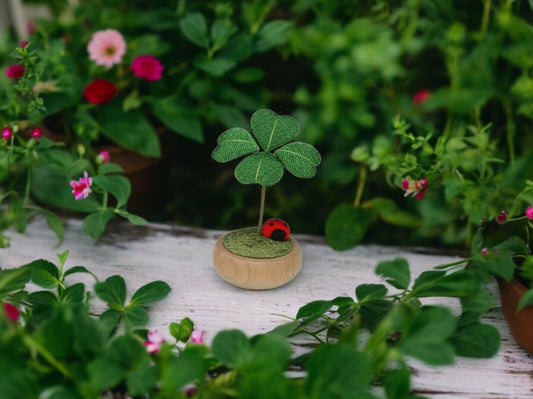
(257, 273)
(521, 323)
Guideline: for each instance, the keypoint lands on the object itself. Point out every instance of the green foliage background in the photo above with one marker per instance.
(348, 72)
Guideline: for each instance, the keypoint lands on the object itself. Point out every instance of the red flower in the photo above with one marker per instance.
(11, 311)
(147, 67)
(99, 91)
(36, 133)
(15, 71)
(421, 96)
(501, 217)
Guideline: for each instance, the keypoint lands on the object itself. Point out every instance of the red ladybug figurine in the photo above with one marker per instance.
(276, 229)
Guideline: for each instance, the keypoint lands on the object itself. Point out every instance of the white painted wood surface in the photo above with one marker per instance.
(182, 257)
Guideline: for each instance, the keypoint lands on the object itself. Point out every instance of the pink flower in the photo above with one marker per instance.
(11, 311)
(103, 157)
(106, 47)
(6, 133)
(23, 43)
(415, 187)
(501, 217)
(82, 187)
(484, 251)
(529, 213)
(197, 337)
(36, 133)
(147, 67)
(15, 71)
(421, 96)
(31, 28)
(153, 344)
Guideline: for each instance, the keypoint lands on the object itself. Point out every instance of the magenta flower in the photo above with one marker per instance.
(421, 96)
(6, 133)
(106, 47)
(23, 43)
(501, 217)
(415, 187)
(36, 133)
(529, 213)
(82, 187)
(11, 311)
(153, 344)
(197, 337)
(103, 157)
(31, 28)
(484, 251)
(15, 71)
(147, 67)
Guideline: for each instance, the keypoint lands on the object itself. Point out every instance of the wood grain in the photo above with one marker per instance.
(183, 258)
(257, 274)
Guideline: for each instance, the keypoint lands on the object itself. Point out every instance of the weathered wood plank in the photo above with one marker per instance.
(182, 257)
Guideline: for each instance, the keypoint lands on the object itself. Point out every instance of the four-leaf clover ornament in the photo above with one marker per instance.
(269, 150)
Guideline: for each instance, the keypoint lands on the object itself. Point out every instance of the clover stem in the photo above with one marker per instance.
(261, 209)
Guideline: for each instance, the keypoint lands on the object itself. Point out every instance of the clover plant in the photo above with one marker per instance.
(268, 151)
(56, 344)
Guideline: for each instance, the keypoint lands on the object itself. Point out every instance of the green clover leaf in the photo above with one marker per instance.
(234, 143)
(270, 132)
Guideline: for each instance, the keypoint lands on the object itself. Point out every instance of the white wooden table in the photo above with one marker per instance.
(182, 257)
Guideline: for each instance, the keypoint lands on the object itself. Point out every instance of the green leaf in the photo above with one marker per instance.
(194, 27)
(182, 331)
(346, 226)
(262, 168)
(221, 31)
(272, 130)
(141, 381)
(95, 223)
(104, 374)
(396, 272)
(191, 365)
(77, 269)
(129, 129)
(117, 185)
(338, 372)
(44, 273)
(388, 211)
(214, 66)
(365, 292)
(313, 309)
(300, 159)
(135, 316)
(178, 118)
(110, 319)
(128, 352)
(527, 299)
(477, 340)
(272, 34)
(397, 382)
(230, 347)
(112, 291)
(234, 143)
(14, 279)
(134, 219)
(42, 298)
(430, 329)
(74, 293)
(151, 292)
(109, 167)
(436, 283)
(55, 224)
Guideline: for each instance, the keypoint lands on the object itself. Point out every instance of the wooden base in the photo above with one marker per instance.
(254, 273)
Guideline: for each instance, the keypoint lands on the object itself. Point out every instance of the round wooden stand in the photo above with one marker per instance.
(257, 273)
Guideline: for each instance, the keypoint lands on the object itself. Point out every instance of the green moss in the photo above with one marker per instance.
(247, 242)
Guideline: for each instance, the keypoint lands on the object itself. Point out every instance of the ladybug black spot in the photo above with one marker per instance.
(278, 235)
